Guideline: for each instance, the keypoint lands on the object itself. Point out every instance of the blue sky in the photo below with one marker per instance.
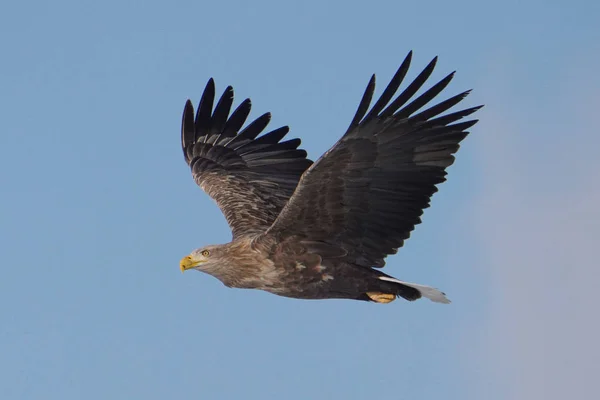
(98, 205)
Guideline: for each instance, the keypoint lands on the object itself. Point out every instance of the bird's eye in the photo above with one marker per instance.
(205, 253)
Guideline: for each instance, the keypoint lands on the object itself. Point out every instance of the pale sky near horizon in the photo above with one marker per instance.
(98, 205)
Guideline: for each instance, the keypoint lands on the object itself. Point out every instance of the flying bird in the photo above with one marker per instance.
(323, 230)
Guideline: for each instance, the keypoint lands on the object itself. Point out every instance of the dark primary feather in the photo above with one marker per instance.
(368, 192)
(250, 178)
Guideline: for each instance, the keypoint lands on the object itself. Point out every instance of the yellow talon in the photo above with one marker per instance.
(382, 298)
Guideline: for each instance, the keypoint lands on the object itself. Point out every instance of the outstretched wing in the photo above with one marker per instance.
(250, 178)
(367, 193)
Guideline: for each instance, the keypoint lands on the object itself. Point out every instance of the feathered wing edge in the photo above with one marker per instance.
(381, 112)
(250, 177)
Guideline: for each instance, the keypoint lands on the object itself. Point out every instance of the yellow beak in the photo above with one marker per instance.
(187, 262)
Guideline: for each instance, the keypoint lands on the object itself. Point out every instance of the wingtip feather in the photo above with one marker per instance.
(363, 106)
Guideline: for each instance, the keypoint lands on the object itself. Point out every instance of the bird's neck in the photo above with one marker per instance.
(242, 266)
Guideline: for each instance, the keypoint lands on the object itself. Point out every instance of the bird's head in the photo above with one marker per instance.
(202, 259)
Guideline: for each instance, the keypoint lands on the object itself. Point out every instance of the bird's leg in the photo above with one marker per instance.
(383, 298)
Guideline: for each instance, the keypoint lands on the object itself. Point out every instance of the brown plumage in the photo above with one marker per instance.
(317, 231)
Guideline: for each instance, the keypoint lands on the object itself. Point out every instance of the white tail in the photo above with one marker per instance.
(426, 291)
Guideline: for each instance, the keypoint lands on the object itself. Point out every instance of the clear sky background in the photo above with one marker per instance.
(98, 206)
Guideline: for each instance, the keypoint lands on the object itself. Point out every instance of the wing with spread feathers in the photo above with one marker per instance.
(250, 177)
(367, 193)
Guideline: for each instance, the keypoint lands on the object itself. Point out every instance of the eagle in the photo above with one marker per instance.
(322, 230)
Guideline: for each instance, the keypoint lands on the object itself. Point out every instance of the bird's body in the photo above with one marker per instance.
(289, 268)
(261, 262)
(321, 230)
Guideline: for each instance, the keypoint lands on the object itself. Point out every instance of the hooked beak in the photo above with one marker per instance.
(188, 262)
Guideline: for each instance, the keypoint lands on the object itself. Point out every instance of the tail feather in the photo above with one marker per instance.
(429, 292)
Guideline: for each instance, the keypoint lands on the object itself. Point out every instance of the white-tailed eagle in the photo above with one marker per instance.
(323, 230)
